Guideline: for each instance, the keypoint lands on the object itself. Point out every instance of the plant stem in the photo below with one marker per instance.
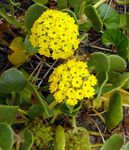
(13, 96)
(39, 98)
(124, 2)
(99, 115)
(56, 113)
(99, 3)
(74, 124)
(52, 105)
(96, 145)
(11, 8)
(22, 111)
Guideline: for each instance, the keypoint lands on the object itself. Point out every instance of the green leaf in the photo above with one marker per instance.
(109, 17)
(9, 19)
(71, 3)
(31, 16)
(27, 139)
(62, 4)
(85, 26)
(102, 78)
(100, 61)
(60, 138)
(126, 147)
(113, 76)
(43, 2)
(28, 46)
(8, 113)
(34, 111)
(127, 21)
(114, 114)
(115, 142)
(120, 82)
(79, 8)
(117, 63)
(12, 80)
(118, 39)
(6, 137)
(69, 110)
(94, 17)
(48, 112)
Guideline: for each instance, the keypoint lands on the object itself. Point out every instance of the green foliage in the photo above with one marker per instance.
(8, 113)
(12, 80)
(69, 110)
(8, 18)
(60, 138)
(121, 80)
(102, 80)
(34, 111)
(62, 4)
(109, 17)
(114, 114)
(100, 61)
(118, 39)
(120, 66)
(27, 139)
(94, 17)
(126, 147)
(6, 137)
(28, 46)
(115, 142)
(43, 2)
(31, 16)
(47, 112)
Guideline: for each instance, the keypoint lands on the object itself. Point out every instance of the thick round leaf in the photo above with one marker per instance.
(8, 113)
(109, 16)
(120, 82)
(32, 14)
(27, 139)
(118, 39)
(115, 142)
(60, 138)
(34, 111)
(100, 61)
(117, 63)
(94, 17)
(12, 80)
(114, 114)
(6, 137)
(18, 55)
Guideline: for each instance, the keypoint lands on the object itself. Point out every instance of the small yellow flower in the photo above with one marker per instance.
(55, 34)
(72, 82)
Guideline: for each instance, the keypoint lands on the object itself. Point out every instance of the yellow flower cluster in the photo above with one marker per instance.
(55, 34)
(72, 82)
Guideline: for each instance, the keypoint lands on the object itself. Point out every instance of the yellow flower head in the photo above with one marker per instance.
(72, 82)
(55, 34)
